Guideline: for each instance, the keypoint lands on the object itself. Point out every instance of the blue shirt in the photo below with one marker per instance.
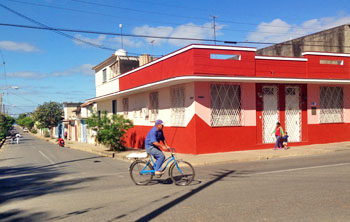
(154, 135)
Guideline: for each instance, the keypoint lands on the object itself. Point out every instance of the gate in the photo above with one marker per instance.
(270, 113)
(293, 113)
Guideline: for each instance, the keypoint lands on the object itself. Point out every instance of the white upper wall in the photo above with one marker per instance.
(109, 86)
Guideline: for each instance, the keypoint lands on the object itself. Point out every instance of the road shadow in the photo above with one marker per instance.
(218, 176)
(21, 215)
(21, 183)
(74, 213)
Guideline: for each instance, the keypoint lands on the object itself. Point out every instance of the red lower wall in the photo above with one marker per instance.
(329, 133)
(199, 138)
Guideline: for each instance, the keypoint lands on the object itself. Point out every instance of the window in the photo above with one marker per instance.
(153, 98)
(332, 62)
(331, 104)
(225, 57)
(125, 106)
(104, 75)
(177, 95)
(114, 106)
(225, 105)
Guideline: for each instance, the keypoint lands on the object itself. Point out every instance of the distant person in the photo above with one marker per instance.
(153, 145)
(278, 134)
(17, 137)
(65, 135)
(12, 136)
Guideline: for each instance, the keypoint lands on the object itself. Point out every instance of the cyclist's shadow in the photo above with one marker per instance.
(167, 181)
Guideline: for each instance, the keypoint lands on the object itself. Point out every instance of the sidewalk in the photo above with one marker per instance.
(216, 158)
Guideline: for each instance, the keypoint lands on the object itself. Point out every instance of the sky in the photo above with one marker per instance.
(48, 66)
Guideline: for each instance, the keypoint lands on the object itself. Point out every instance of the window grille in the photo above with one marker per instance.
(270, 113)
(331, 104)
(177, 95)
(125, 106)
(225, 105)
(153, 98)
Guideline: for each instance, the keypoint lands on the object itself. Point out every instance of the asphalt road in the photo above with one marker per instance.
(41, 182)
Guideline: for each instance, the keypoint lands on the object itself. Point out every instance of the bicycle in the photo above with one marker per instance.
(141, 171)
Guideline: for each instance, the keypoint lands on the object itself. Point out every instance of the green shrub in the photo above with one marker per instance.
(46, 134)
(34, 131)
(111, 130)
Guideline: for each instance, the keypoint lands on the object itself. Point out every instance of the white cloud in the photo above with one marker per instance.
(188, 30)
(99, 40)
(85, 69)
(27, 75)
(278, 30)
(18, 46)
(162, 31)
(113, 42)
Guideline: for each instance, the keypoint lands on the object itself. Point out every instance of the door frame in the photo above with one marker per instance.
(281, 106)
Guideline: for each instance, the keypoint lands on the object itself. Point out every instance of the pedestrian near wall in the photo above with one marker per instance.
(278, 134)
(17, 137)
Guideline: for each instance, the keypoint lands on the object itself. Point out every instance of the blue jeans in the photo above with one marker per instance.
(278, 142)
(158, 155)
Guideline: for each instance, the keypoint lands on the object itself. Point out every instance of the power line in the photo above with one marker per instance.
(56, 31)
(158, 21)
(158, 37)
(61, 33)
(188, 17)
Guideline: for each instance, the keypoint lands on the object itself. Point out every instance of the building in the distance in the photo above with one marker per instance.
(331, 40)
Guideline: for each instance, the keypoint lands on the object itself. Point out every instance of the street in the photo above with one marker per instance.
(41, 182)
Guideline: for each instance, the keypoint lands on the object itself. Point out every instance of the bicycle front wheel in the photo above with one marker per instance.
(182, 174)
(137, 176)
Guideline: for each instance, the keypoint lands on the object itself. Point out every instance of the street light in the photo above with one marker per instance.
(2, 106)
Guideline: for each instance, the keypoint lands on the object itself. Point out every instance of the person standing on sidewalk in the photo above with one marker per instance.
(278, 134)
(153, 145)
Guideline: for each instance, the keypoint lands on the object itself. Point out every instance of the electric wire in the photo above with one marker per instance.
(161, 37)
(188, 17)
(61, 33)
(143, 19)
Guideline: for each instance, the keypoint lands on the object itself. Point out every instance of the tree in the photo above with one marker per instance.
(48, 115)
(110, 130)
(6, 123)
(25, 121)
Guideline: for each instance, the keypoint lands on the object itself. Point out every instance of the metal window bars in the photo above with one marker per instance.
(293, 113)
(153, 111)
(225, 105)
(125, 106)
(331, 104)
(177, 94)
(270, 112)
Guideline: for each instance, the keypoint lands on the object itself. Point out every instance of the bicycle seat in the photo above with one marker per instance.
(137, 155)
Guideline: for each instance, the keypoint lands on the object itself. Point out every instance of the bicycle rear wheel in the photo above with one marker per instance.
(183, 178)
(135, 172)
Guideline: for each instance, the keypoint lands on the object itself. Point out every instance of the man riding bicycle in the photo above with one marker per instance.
(153, 145)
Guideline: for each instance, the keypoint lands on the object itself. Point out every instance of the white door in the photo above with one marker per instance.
(270, 113)
(293, 113)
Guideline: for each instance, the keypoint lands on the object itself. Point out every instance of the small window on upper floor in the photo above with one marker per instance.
(225, 56)
(104, 75)
(332, 62)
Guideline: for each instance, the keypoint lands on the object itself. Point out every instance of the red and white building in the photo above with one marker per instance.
(225, 98)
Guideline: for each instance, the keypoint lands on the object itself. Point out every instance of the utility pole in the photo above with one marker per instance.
(214, 27)
(121, 34)
(0, 103)
(152, 46)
